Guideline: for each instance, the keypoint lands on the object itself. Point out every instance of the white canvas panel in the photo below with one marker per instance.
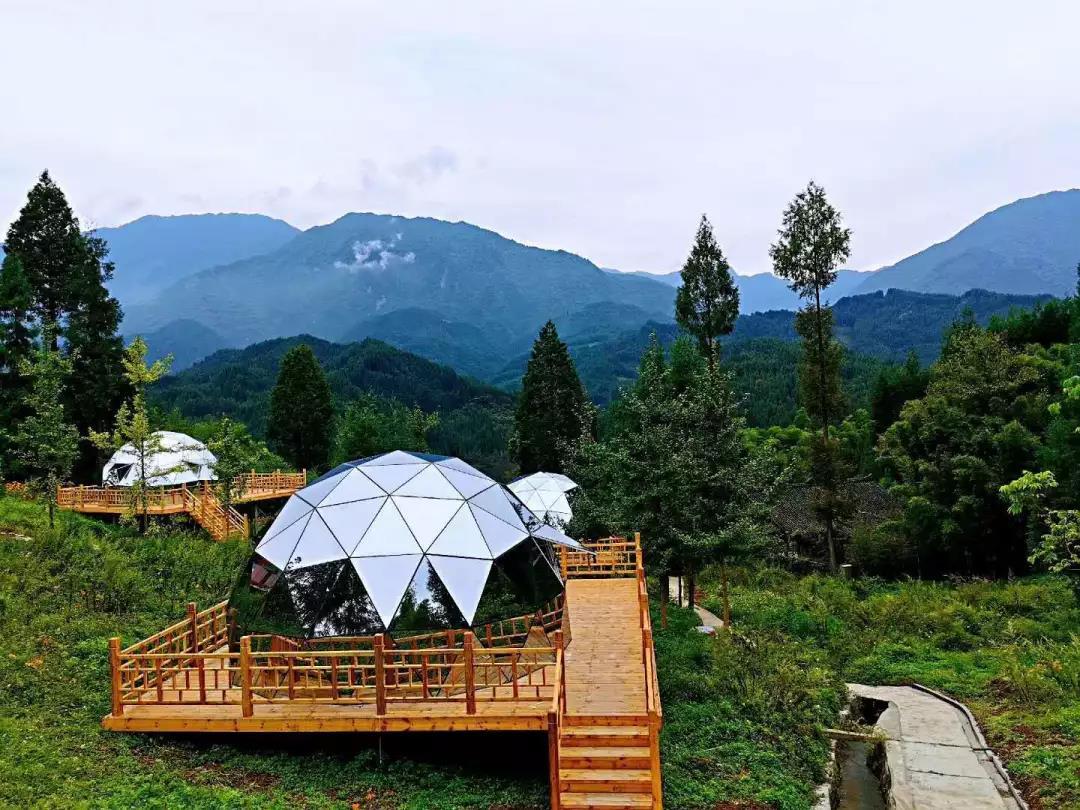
(317, 545)
(349, 521)
(426, 516)
(392, 476)
(386, 579)
(465, 580)
(314, 493)
(499, 535)
(495, 502)
(393, 457)
(461, 538)
(388, 534)
(429, 483)
(467, 485)
(354, 487)
(279, 548)
(294, 509)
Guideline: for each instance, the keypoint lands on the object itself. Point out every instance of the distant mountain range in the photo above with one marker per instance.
(469, 297)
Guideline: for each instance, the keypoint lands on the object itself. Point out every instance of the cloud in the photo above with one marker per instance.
(376, 254)
(428, 167)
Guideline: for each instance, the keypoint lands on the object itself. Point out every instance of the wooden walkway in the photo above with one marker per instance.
(583, 669)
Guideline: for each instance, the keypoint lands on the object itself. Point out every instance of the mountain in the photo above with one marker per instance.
(1030, 246)
(764, 291)
(153, 252)
(186, 340)
(331, 278)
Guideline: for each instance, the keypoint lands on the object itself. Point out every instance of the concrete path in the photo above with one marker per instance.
(936, 759)
(707, 618)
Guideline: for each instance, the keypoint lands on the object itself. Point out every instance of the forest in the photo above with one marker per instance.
(848, 517)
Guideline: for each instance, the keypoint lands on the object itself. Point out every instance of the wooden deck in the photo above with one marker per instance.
(582, 669)
(199, 501)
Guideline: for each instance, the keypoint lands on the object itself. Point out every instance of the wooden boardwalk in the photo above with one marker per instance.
(582, 669)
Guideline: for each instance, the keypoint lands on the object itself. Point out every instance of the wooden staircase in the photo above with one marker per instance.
(210, 513)
(604, 727)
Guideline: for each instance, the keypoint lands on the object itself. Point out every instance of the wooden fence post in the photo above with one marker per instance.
(562, 561)
(114, 663)
(380, 677)
(193, 620)
(553, 759)
(245, 676)
(470, 673)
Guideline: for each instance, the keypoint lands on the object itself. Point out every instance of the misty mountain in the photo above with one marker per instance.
(153, 252)
(331, 278)
(1030, 246)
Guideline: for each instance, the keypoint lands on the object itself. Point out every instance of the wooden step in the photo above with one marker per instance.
(605, 757)
(605, 720)
(580, 780)
(607, 801)
(604, 736)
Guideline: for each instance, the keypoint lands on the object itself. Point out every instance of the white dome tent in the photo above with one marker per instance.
(180, 460)
(546, 495)
(372, 542)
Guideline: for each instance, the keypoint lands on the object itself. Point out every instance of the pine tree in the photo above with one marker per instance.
(553, 412)
(66, 271)
(812, 242)
(300, 425)
(16, 347)
(44, 442)
(133, 428)
(707, 302)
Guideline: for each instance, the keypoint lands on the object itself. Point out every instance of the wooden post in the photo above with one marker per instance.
(193, 621)
(245, 676)
(380, 677)
(639, 557)
(470, 673)
(114, 663)
(553, 759)
(654, 760)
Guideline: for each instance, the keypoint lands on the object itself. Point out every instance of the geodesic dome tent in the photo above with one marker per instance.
(546, 496)
(180, 460)
(399, 543)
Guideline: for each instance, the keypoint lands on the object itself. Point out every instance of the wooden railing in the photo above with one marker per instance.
(190, 663)
(220, 521)
(248, 485)
(609, 557)
(653, 708)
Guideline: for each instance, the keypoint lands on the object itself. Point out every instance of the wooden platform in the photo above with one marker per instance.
(582, 669)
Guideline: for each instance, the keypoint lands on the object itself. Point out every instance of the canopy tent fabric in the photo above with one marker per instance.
(179, 459)
(376, 542)
(546, 495)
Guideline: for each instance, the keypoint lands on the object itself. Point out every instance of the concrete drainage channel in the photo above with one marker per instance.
(911, 748)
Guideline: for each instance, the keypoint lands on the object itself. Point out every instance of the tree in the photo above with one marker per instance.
(17, 334)
(300, 425)
(237, 452)
(894, 386)
(553, 412)
(133, 428)
(1057, 531)
(66, 271)
(812, 242)
(370, 426)
(45, 442)
(707, 302)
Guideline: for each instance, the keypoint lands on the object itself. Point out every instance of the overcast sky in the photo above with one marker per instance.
(605, 129)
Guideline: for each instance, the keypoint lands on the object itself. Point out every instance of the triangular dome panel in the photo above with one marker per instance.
(465, 579)
(317, 545)
(429, 483)
(461, 466)
(314, 493)
(426, 517)
(349, 521)
(279, 548)
(392, 476)
(387, 534)
(354, 487)
(467, 485)
(495, 502)
(462, 538)
(294, 509)
(393, 457)
(499, 536)
(386, 579)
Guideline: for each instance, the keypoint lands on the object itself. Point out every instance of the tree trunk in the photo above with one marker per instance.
(727, 598)
(679, 602)
(691, 585)
(824, 421)
(665, 587)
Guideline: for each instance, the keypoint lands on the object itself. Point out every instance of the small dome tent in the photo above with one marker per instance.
(546, 494)
(398, 543)
(180, 459)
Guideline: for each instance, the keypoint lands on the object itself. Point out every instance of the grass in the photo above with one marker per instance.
(1010, 650)
(64, 592)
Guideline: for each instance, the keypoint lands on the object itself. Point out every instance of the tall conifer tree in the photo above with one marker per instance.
(812, 243)
(300, 425)
(16, 345)
(553, 412)
(707, 302)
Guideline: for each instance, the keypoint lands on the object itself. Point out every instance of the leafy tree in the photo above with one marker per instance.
(370, 426)
(133, 427)
(894, 386)
(17, 334)
(707, 302)
(812, 242)
(976, 429)
(237, 452)
(66, 271)
(300, 425)
(1057, 541)
(44, 441)
(553, 412)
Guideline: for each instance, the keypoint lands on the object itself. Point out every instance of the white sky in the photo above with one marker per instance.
(605, 129)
